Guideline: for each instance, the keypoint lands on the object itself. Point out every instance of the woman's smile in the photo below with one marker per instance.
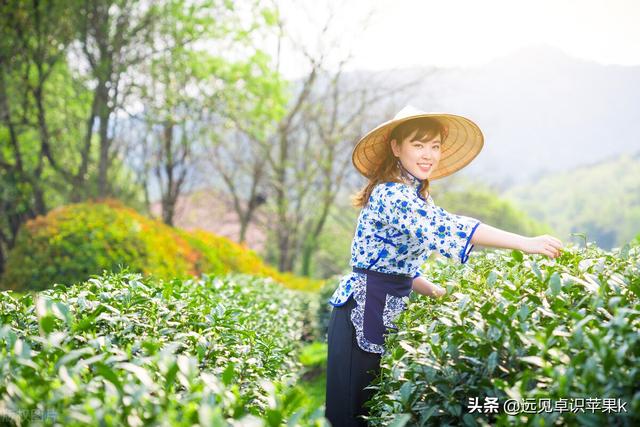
(425, 167)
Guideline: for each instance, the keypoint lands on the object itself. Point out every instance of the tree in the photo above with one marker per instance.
(301, 166)
(33, 40)
(193, 94)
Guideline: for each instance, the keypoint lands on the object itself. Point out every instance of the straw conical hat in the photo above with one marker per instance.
(463, 143)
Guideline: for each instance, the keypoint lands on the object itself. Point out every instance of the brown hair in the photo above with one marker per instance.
(426, 128)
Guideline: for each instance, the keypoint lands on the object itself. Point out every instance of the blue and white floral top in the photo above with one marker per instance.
(398, 230)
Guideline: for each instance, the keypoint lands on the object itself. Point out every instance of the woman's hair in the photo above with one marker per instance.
(388, 171)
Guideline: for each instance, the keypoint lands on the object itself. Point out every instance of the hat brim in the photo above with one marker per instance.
(462, 144)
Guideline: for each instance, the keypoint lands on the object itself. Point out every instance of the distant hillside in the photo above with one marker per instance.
(601, 200)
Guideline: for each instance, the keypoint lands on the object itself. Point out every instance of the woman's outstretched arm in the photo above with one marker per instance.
(487, 235)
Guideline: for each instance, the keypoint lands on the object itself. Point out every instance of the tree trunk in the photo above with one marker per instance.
(105, 141)
(168, 201)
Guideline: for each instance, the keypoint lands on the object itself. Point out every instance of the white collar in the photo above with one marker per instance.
(413, 180)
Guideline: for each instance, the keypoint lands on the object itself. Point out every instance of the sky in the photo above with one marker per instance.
(460, 33)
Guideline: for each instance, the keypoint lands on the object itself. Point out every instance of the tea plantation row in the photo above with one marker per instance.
(527, 328)
(123, 349)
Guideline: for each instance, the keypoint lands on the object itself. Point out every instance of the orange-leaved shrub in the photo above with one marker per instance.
(221, 255)
(75, 241)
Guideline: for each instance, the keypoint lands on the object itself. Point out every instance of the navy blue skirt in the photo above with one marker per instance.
(349, 370)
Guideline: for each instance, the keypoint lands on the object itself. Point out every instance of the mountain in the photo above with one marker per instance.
(600, 199)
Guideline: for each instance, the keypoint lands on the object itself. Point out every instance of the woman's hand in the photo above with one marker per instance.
(425, 287)
(544, 245)
(438, 291)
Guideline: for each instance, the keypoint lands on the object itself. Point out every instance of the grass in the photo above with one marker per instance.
(314, 359)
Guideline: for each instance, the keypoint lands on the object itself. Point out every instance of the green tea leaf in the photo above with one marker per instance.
(400, 420)
(555, 284)
(48, 323)
(228, 374)
(517, 255)
(536, 360)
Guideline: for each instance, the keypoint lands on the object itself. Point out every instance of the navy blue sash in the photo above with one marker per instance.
(382, 289)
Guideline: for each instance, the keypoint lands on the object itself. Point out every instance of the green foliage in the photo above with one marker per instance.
(313, 382)
(199, 59)
(314, 354)
(334, 244)
(601, 200)
(74, 241)
(516, 326)
(489, 207)
(323, 313)
(122, 349)
(215, 49)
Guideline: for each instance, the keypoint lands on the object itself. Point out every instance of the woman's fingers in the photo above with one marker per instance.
(556, 243)
(555, 248)
(551, 251)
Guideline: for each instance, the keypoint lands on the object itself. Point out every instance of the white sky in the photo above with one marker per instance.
(446, 33)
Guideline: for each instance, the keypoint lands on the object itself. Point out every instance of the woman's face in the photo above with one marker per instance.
(419, 158)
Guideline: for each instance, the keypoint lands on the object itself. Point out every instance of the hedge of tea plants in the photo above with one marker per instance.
(123, 349)
(521, 327)
(323, 312)
(75, 241)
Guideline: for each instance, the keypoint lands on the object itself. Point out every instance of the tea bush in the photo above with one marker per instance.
(123, 349)
(323, 313)
(516, 326)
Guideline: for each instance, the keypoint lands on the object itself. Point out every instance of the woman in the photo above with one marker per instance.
(399, 226)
